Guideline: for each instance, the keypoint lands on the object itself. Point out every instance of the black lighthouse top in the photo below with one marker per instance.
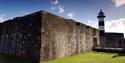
(101, 14)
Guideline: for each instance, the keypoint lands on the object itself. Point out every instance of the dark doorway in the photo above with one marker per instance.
(95, 42)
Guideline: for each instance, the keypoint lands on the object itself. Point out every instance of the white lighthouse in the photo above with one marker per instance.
(101, 25)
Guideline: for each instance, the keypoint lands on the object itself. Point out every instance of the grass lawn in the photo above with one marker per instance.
(91, 57)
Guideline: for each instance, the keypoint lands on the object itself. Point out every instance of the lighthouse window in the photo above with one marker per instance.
(101, 23)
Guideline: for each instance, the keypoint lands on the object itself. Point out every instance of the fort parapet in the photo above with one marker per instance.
(44, 36)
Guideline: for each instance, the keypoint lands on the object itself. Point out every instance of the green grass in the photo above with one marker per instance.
(91, 57)
(12, 59)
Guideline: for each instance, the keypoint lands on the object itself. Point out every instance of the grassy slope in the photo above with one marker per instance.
(91, 57)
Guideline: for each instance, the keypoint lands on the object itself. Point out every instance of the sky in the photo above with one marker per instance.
(84, 11)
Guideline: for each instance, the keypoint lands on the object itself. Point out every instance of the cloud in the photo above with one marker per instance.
(55, 6)
(60, 9)
(55, 2)
(2, 18)
(71, 15)
(119, 2)
(115, 25)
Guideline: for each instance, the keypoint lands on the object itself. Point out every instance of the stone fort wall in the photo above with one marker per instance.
(43, 36)
(21, 37)
(65, 37)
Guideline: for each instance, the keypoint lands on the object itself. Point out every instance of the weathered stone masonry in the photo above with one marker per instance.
(21, 37)
(44, 36)
(65, 37)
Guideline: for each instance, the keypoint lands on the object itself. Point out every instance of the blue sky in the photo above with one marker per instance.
(84, 11)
